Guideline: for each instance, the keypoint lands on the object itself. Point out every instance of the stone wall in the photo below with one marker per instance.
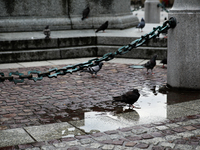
(34, 15)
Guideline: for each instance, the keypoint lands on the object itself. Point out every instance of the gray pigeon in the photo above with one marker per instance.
(103, 27)
(141, 25)
(86, 12)
(151, 64)
(47, 32)
(93, 70)
(129, 97)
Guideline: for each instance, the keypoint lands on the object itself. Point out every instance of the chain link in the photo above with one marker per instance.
(53, 73)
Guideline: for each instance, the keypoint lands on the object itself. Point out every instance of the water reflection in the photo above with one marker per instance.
(157, 104)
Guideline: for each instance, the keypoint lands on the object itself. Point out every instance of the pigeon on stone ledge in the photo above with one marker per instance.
(93, 70)
(141, 25)
(47, 32)
(86, 12)
(129, 97)
(103, 27)
(151, 64)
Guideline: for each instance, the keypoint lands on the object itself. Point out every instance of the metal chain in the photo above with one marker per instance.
(53, 73)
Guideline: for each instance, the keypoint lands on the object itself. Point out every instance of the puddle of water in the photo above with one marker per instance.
(106, 116)
(153, 109)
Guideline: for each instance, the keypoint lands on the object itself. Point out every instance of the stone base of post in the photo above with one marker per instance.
(183, 68)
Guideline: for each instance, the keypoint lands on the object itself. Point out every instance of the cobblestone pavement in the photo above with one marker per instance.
(47, 101)
(52, 100)
(181, 133)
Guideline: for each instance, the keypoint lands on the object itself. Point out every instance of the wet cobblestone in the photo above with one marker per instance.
(42, 102)
(38, 103)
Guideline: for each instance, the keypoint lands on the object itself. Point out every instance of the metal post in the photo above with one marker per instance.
(152, 11)
(183, 69)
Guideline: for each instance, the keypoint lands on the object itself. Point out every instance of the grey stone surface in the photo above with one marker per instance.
(22, 15)
(14, 137)
(183, 45)
(152, 12)
(49, 132)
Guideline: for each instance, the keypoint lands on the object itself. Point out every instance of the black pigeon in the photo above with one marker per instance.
(129, 97)
(103, 27)
(93, 70)
(151, 64)
(47, 32)
(163, 61)
(86, 12)
(141, 25)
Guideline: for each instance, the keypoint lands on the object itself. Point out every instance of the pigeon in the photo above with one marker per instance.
(141, 25)
(86, 12)
(47, 32)
(129, 97)
(163, 61)
(103, 27)
(151, 64)
(93, 70)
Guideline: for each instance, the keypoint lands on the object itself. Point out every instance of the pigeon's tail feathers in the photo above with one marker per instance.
(97, 31)
(84, 70)
(117, 98)
(83, 18)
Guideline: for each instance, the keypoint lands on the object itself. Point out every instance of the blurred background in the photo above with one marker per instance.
(166, 3)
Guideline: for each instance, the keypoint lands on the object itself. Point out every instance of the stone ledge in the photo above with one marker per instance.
(78, 52)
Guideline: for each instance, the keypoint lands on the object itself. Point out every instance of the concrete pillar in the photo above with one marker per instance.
(183, 69)
(152, 12)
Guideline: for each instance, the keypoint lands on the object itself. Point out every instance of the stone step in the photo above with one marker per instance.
(77, 52)
(41, 43)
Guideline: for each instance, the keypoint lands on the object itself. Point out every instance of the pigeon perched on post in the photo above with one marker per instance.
(93, 70)
(129, 97)
(141, 25)
(163, 61)
(86, 12)
(103, 27)
(47, 32)
(151, 64)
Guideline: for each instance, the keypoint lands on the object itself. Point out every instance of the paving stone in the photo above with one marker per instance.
(166, 144)
(86, 141)
(134, 138)
(68, 139)
(157, 134)
(25, 146)
(130, 144)
(118, 142)
(146, 136)
(48, 147)
(95, 145)
(139, 131)
(73, 148)
(189, 128)
(158, 148)
(179, 129)
(38, 144)
(35, 148)
(111, 132)
(142, 145)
